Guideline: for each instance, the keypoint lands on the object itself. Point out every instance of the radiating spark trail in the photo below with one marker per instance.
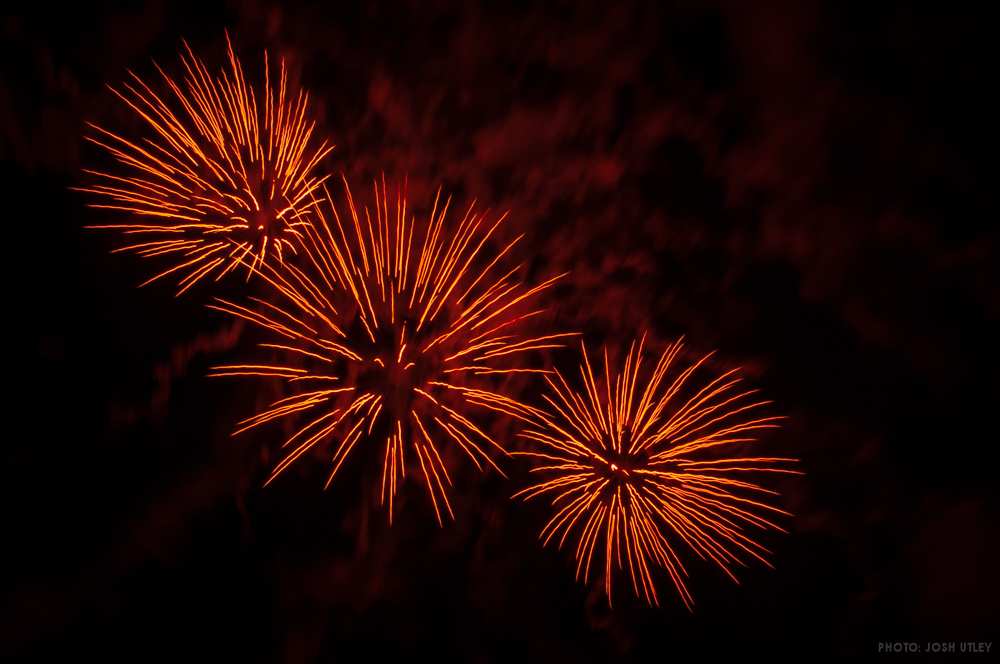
(222, 176)
(636, 466)
(395, 330)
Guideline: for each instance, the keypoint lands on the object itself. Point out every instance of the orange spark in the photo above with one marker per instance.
(637, 466)
(394, 329)
(223, 175)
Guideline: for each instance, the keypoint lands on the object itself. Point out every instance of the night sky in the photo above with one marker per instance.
(799, 186)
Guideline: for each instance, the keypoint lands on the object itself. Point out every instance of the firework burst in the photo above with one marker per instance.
(222, 178)
(389, 334)
(638, 466)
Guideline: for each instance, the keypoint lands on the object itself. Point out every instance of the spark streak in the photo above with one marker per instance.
(223, 175)
(638, 467)
(396, 329)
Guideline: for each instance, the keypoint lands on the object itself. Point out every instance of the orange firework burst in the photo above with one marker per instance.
(222, 178)
(387, 328)
(639, 467)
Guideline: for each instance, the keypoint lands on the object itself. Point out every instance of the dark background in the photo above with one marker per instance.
(800, 186)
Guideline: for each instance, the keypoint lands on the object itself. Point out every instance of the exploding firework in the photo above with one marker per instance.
(389, 334)
(222, 178)
(637, 466)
